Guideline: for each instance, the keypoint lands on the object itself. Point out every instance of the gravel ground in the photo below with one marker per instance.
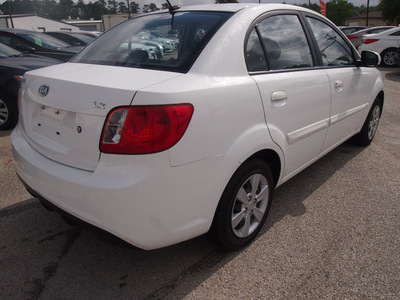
(333, 233)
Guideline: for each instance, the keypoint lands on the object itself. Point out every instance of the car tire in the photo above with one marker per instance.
(389, 57)
(8, 111)
(244, 205)
(368, 131)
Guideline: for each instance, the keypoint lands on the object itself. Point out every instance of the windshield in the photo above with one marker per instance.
(44, 40)
(158, 41)
(83, 37)
(6, 51)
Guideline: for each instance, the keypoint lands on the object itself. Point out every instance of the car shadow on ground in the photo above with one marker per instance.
(41, 256)
(5, 133)
(394, 76)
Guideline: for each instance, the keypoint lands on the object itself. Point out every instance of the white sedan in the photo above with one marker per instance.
(160, 151)
(384, 43)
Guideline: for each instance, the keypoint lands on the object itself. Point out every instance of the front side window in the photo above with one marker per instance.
(159, 41)
(333, 49)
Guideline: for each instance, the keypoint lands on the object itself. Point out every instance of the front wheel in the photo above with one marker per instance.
(370, 127)
(389, 57)
(8, 112)
(244, 205)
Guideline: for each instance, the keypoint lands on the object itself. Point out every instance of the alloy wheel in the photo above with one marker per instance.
(250, 205)
(4, 113)
(373, 122)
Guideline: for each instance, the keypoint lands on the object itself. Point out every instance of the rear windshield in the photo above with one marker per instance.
(157, 41)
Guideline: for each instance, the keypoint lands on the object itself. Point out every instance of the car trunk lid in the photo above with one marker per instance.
(63, 107)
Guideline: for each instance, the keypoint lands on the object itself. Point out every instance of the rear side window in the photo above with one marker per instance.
(159, 41)
(397, 33)
(255, 56)
(333, 48)
(285, 44)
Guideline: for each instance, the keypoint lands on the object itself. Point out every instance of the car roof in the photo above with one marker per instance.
(235, 7)
(371, 28)
(15, 30)
(386, 32)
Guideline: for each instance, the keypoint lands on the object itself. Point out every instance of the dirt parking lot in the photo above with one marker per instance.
(333, 233)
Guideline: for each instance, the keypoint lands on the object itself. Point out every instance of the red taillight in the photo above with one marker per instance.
(144, 129)
(350, 37)
(369, 41)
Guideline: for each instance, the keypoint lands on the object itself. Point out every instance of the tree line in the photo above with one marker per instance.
(336, 10)
(64, 9)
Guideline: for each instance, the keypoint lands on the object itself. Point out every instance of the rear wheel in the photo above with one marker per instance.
(8, 112)
(370, 127)
(389, 57)
(244, 205)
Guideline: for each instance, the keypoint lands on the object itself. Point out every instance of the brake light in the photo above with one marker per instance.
(144, 129)
(369, 41)
(350, 37)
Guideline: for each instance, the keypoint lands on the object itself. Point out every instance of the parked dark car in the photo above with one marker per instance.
(38, 43)
(72, 38)
(13, 64)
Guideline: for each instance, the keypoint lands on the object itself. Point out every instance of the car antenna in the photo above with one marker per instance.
(171, 7)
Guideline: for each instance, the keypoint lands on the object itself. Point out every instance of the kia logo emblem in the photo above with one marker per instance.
(43, 90)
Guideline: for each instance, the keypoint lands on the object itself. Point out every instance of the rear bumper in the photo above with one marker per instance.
(141, 199)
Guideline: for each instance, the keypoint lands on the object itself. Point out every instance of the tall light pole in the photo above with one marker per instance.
(366, 23)
(9, 11)
(129, 10)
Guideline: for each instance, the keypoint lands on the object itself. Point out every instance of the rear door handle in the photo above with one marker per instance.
(279, 95)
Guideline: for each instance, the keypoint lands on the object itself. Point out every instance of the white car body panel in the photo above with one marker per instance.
(349, 90)
(51, 122)
(159, 199)
(299, 132)
(386, 41)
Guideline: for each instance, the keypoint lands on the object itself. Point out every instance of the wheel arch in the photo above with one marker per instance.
(380, 98)
(273, 160)
(389, 48)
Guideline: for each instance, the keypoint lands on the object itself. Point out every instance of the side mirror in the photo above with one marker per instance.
(370, 59)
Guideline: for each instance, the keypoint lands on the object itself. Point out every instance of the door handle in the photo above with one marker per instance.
(279, 95)
(338, 83)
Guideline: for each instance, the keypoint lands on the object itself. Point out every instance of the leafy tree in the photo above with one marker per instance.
(80, 8)
(145, 8)
(153, 7)
(164, 6)
(64, 9)
(134, 7)
(112, 5)
(313, 6)
(391, 10)
(339, 10)
(363, 9)
(93, 10)
(122, 8)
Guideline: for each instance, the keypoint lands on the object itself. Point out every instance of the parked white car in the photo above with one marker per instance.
(384, 43)
(160, 151)
(355, 37)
